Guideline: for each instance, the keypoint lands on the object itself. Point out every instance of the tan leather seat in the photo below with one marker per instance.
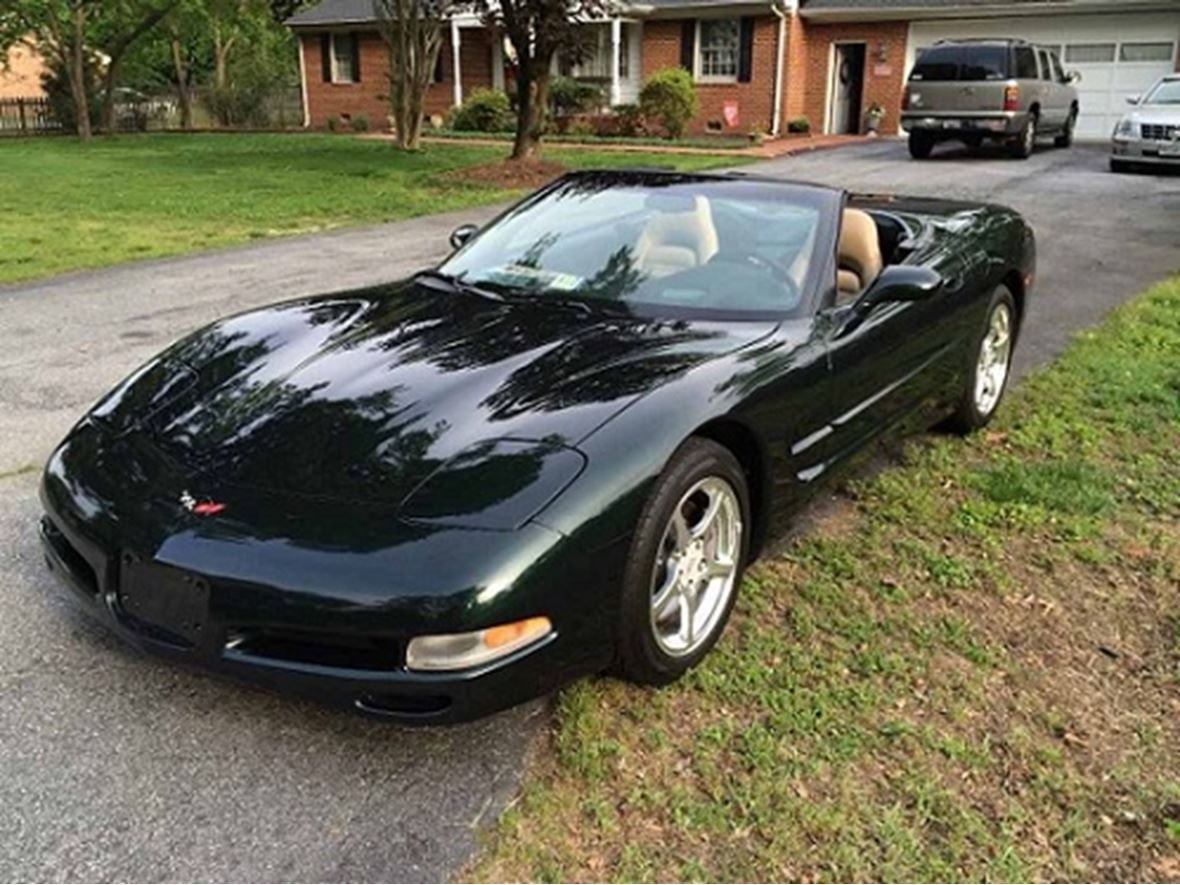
(676, 241)
(859, 253)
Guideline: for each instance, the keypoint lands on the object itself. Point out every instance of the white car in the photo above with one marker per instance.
(1150, 134)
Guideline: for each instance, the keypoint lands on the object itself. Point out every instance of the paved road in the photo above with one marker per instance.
(113, 766)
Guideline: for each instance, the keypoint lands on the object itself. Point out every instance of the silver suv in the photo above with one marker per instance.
(998, 90)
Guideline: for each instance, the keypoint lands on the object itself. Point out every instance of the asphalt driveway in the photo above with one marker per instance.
(113, 766)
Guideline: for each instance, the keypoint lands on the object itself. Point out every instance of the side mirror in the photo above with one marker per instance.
(900, 282)
(1073, 77)
(461, 234)
(1132, 99)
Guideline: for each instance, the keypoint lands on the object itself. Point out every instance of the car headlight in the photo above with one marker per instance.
(1125, 128)
(462, 651)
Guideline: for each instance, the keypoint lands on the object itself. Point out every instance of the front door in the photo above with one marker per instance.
(848, 76)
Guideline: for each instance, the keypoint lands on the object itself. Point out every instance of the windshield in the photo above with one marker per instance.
(657, 245)
(1165, 92)
(959, 62)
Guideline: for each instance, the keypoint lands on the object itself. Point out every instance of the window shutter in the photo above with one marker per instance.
(326, 57)
(688, 40)
(356, 57)
(745, 48)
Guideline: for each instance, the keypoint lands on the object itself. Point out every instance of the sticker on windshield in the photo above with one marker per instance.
(518, 274)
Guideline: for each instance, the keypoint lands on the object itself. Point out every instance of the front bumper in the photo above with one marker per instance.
(296, 618)
(955, 124)
(1138, 150)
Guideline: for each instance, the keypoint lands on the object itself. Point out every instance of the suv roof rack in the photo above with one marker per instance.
(1014, 41)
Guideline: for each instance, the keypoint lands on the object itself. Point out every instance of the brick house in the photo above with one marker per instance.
(759, 63)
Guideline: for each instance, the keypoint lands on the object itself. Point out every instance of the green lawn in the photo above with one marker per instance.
(969, 670)
(71, 206)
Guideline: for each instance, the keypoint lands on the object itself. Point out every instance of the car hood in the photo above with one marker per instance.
(365, 395)
(1156, 114)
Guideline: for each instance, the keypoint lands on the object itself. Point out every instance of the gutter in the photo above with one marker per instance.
(303, 87)
(780, 55)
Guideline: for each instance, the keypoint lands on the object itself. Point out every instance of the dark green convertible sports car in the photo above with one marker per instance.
(549, 456)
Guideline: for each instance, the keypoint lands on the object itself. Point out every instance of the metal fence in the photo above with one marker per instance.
(280, 109)
(26, 115)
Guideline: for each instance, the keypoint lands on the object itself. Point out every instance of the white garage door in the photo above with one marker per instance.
(1117, 56)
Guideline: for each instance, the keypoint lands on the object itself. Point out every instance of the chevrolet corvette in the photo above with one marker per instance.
(551, 455)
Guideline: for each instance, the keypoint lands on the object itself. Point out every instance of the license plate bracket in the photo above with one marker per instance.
(166, 603)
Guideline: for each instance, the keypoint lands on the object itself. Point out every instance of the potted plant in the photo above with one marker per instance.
(873, 117)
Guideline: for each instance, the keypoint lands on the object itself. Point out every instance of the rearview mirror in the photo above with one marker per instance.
(1132, 99)
(462, 234)
(1073, 77)
(901, 282)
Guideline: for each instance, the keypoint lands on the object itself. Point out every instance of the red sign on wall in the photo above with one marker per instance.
(729, 110)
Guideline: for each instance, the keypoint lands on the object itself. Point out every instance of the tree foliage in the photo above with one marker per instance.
(539, 31)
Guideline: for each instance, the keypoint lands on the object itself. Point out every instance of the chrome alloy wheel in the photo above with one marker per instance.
(696, 567)
(995, 353)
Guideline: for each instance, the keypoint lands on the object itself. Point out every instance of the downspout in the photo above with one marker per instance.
(303, 85)
(777, 119)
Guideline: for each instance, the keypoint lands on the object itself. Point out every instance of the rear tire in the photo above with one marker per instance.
(921, 144)
(1026, 142)
(668, 558)
(1065, 139)
(990, 365)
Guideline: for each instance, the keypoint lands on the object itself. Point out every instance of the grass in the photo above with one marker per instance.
(73, 206)
(968, 671)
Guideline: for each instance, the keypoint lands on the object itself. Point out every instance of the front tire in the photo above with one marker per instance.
(991, 364)
(685, 564)
(921, 144)
(1065, 139)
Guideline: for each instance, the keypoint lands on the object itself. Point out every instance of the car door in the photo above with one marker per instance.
(889, 361)
(1050, 93)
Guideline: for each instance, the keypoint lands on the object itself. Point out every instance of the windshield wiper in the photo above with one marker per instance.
(460, 285)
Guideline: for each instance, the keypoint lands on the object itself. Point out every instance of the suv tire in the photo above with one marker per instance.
(1065, 139)
(921, 144)
(1024, 145)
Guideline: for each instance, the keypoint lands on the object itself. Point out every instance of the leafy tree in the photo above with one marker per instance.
(58, 30)
(412, 31)
(121, 24)
(540, 30)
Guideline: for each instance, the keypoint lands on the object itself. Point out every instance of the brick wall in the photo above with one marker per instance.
(884, 68)
(371, 95)
(661, 49)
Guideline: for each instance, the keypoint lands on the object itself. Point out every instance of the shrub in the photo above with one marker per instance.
(628, 120)
(333, 123)
(485, 110)
(670, 99)
(360, 123)
(569, 97)
(799, 125)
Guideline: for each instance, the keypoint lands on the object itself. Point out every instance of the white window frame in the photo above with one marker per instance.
(333, 37)
(698, 46)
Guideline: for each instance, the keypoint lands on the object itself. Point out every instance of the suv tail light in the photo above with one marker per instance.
(1011, 98)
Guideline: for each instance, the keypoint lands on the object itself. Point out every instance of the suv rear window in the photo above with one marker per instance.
(963, 62)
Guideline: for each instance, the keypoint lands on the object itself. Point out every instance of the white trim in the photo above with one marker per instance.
(776, 123)
(616, 39)
(303, 85)
(497, 62)
(456, 67)
(354, 63)
(717, 79)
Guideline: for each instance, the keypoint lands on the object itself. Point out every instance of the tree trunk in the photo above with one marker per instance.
(184, 90)
(77, 74)
(523, 145)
